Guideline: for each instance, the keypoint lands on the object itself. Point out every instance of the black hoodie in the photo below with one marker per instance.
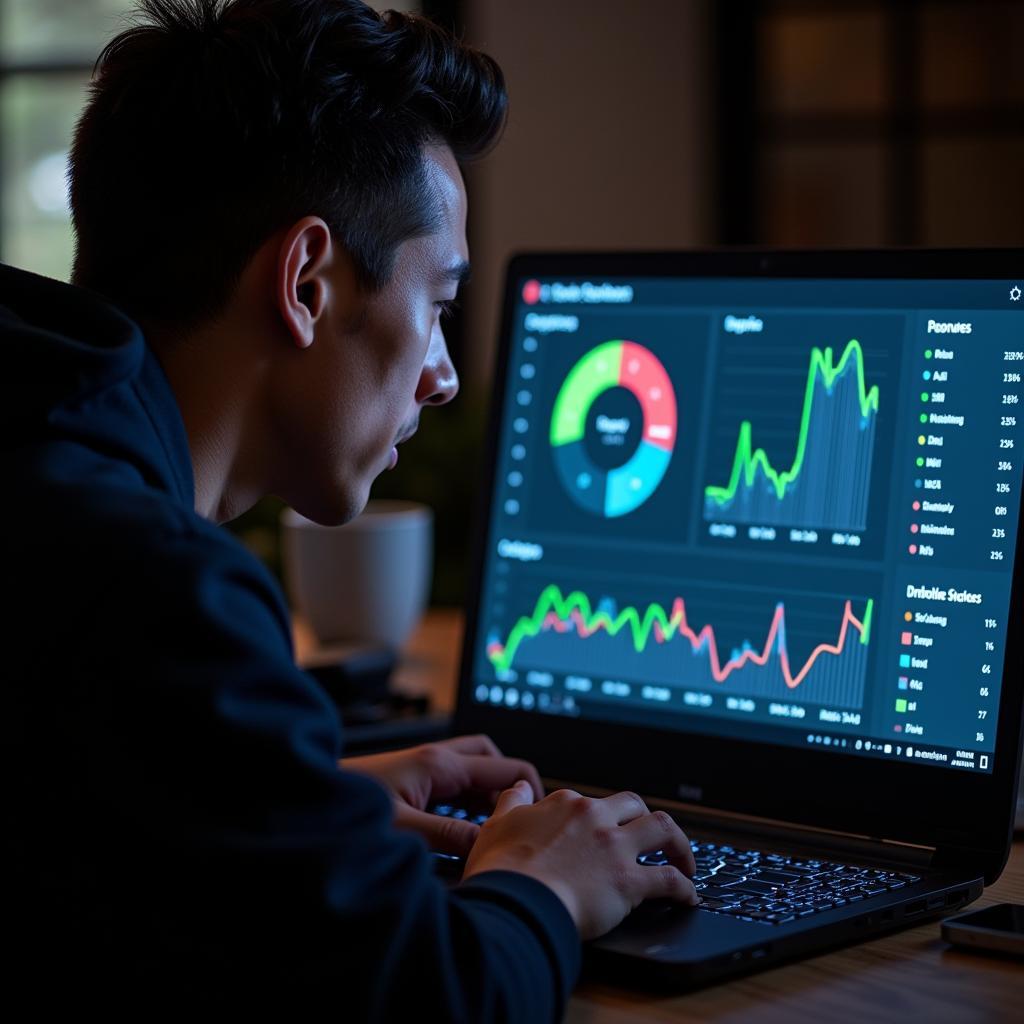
(177, 826)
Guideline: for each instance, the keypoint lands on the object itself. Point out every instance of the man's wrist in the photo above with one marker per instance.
(559, 888)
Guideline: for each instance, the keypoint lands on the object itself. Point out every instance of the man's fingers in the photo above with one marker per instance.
(658, 831)
(668, 882)
(449, 835)
(519, 795)
(490, 773)
(624, 807)
(477, 744)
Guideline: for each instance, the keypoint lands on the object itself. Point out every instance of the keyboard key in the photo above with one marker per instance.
(654, 859)
(775, 876)
(713, 904)
(717, 892)
(749, 886)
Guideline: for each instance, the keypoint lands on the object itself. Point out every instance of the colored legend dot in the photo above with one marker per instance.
(924, 417)
(920, 461)
(928, 353)
(913, 527)
(920, 438)
(917, 483)
(924, 396)
(908, 616)
(927, 374)
(916, 506)
(913, 549)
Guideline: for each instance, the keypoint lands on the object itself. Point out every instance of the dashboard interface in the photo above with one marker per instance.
(781, 510)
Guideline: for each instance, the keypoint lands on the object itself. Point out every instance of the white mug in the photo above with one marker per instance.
(365, 581)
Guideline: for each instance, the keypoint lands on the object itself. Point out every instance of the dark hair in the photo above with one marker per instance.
(215, 123)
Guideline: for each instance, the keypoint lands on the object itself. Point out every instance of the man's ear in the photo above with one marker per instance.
(304, 285)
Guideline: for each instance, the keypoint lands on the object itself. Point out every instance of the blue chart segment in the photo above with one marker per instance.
(828, 484)
(566, 633)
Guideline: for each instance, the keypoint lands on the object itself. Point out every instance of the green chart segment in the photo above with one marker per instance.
(828, 482)
(619, 490)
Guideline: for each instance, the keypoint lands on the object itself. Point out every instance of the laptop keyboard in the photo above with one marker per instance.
(778, 887)
(753, 885)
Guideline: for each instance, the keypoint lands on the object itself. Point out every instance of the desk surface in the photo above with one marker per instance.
(909, 976)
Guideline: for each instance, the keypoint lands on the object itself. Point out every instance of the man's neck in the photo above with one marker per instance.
(215, 395)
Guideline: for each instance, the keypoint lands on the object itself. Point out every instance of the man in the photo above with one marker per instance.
(270, 222)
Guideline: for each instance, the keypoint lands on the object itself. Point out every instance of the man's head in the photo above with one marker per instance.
(281, 176)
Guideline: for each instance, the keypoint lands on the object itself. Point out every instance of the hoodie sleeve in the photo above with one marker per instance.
(239, 848)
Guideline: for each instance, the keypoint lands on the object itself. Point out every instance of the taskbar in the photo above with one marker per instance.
(834, 729)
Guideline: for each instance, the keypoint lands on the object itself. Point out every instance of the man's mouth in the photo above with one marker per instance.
(404, 436)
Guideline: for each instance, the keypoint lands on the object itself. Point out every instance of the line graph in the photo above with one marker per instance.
(827, 485)
(567, 631)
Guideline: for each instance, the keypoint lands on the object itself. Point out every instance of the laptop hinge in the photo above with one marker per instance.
(696, 816)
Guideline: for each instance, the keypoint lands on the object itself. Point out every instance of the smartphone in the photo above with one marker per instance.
(999, 928)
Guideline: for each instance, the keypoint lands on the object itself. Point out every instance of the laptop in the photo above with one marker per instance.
(748, 546)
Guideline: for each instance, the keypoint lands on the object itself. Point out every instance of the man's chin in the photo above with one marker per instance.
(334, 510)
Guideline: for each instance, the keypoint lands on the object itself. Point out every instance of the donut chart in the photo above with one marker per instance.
(621, 489)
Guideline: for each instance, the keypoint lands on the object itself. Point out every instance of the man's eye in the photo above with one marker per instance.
(446, 307)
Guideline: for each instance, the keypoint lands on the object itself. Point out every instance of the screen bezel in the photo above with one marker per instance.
(967, 817)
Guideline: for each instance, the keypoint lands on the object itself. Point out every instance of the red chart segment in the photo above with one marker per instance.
(645, 376)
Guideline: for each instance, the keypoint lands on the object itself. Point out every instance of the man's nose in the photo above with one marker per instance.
(439, 383)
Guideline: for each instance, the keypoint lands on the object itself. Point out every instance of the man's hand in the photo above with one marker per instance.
(585, 851)
(422, 775)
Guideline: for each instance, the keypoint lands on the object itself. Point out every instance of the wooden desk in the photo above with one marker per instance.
(906, 977)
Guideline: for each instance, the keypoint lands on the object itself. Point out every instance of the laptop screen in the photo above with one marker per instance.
(782, 511)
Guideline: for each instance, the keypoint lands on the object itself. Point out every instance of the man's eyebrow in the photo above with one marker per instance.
(458, 272)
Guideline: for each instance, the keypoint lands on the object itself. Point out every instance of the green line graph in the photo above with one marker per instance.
(766, 666)
(577, 605)
(828, 481)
